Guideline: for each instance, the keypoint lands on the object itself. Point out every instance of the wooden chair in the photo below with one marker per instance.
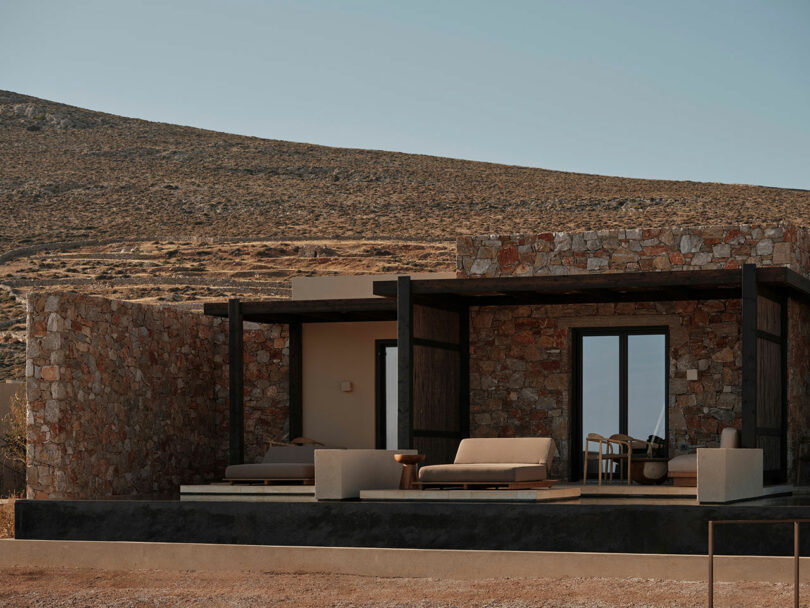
(605, 451)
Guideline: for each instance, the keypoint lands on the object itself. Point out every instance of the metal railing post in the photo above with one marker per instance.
(796, 564)
(796, 553)
(711, 564)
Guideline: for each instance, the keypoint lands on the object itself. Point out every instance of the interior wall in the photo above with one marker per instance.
(334, 353)
(350, 286)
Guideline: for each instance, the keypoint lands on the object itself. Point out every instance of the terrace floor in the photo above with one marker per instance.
(616, 493)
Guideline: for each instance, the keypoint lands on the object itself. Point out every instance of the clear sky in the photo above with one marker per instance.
(709, 90)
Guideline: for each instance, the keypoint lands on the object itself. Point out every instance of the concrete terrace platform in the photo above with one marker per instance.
(247, 492)
(576, 526)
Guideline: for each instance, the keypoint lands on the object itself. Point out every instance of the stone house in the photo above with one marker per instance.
(675, 333)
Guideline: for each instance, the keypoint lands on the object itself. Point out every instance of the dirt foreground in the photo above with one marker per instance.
(84, 587)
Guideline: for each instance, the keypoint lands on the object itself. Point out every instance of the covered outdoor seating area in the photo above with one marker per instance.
(433, 390)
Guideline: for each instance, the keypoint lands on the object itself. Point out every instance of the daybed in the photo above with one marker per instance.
(511, 462)
(281, 464)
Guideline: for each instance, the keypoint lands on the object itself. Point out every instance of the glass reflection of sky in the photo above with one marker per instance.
(600, 385)
(646, 374)
(646, 385)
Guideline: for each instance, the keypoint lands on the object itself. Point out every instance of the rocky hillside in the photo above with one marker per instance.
(162, 213)
(70, 173)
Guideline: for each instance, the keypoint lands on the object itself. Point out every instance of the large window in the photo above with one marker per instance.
(621, 383)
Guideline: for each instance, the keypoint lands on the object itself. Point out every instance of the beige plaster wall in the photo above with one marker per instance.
(350, 286)
(334, 353)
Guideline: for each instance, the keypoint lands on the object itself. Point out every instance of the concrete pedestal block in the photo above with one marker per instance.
(727, 474)
(342, 474)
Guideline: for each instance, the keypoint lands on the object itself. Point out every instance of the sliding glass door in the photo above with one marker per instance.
(621, 384)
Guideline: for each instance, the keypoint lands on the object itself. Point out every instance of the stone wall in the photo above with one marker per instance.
(521, 368)
(798, 438)
(685, 248)
(130, 399)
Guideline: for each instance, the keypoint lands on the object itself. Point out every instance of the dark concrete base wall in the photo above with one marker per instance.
(504, 526)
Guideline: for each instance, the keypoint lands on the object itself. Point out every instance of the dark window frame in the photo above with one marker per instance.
(575, 419)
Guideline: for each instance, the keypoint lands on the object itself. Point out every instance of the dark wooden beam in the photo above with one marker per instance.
(405, 362)
(311, 311)
(620, 282)
(296, 412)
(588, 298)
(798, 284)
(236, 390)
(749, 356)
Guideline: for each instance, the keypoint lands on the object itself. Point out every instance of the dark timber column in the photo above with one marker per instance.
(296, 421)
(405, 362)
(749, 356)
(236, 369)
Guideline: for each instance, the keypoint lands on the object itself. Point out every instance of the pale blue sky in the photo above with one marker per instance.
(709, 90)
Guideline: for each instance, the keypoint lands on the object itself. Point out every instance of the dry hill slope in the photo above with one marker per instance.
(70, 173)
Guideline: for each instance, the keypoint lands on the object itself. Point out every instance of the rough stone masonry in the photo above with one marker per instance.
(521, 368)
(131, 399)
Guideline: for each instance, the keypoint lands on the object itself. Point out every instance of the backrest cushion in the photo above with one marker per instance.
(491, 450)
(729, 438)
(291, 454)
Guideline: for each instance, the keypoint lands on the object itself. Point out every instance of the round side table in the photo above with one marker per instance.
(410, 468)
(649, 471)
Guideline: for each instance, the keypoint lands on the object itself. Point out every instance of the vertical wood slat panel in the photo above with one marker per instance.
(436, 389)
(769, 316)
(437, 450)
(769, 385)
(438, 404)
(435, 324)
(771, 452)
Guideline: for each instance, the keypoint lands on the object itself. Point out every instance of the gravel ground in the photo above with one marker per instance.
(83, 587)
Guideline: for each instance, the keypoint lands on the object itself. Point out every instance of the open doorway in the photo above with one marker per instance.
(386, 375)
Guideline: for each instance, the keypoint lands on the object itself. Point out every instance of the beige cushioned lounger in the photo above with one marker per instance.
(280, 462)
(497, 459)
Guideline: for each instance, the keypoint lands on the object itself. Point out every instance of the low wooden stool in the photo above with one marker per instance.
(410, 469)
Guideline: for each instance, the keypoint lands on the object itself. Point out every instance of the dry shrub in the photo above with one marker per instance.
(7, 518)
(12, 443)
(12, 450)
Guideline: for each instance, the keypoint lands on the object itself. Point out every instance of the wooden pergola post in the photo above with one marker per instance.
(236, 373)
(296, 413)
(405, 363)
